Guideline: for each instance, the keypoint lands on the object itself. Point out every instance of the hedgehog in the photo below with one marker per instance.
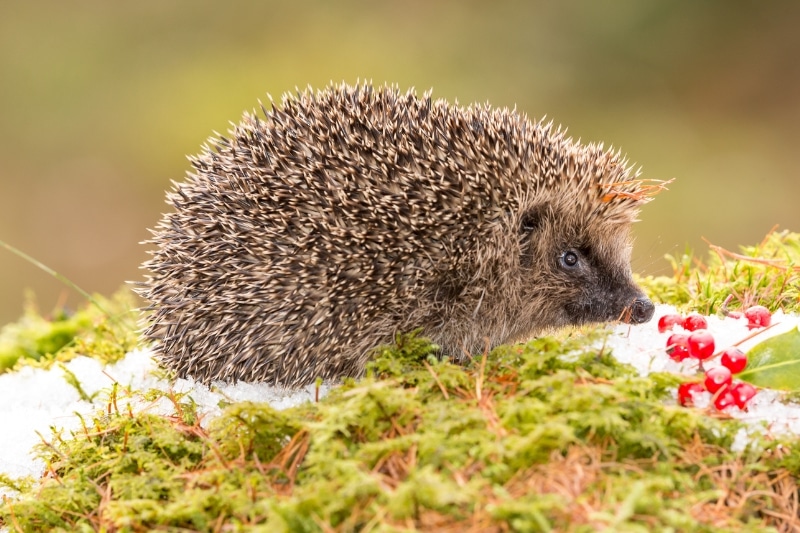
(342, 217)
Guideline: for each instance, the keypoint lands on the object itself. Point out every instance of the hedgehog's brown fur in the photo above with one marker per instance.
(348, 215)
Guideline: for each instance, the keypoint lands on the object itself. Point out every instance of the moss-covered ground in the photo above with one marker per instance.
(552, 435)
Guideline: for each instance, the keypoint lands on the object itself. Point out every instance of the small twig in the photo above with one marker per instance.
(436, 379)
(17, 527)
(722, 252)
(479, 379)
(753, 334)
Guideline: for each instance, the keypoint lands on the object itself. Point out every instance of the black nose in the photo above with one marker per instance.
(642, 310)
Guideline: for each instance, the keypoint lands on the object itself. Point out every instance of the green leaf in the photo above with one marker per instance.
(775, 363)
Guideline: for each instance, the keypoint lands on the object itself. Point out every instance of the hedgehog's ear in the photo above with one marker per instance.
(532, 218)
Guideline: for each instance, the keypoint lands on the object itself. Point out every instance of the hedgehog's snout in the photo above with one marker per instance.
(642, 310)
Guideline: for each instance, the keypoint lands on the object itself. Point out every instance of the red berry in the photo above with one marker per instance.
(694, 322)
(717, 378)
(701, 344)
(742, 393)
(666, 322)
(686, 390)
(757, 316)
(678, 347)
(734, 359)
(724, 399)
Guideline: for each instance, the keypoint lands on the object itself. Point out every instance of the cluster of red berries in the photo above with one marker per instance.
(698, 343)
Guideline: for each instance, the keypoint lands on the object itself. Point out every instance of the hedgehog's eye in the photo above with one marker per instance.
(569, 259)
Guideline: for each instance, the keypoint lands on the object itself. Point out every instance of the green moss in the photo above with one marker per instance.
(34, 336)
(38, 341)
(433, 444)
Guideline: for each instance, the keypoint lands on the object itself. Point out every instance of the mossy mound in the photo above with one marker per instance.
(553, 435)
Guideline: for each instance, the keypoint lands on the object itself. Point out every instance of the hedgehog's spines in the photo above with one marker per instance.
(313, 232)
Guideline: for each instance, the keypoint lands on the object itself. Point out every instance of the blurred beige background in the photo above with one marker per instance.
(101, 101)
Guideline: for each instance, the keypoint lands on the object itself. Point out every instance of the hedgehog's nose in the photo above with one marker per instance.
(642, 310)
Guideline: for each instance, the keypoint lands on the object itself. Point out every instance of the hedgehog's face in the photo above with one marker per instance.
(577, 271)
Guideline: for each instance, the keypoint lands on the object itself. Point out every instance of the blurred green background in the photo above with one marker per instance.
(101, 101)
